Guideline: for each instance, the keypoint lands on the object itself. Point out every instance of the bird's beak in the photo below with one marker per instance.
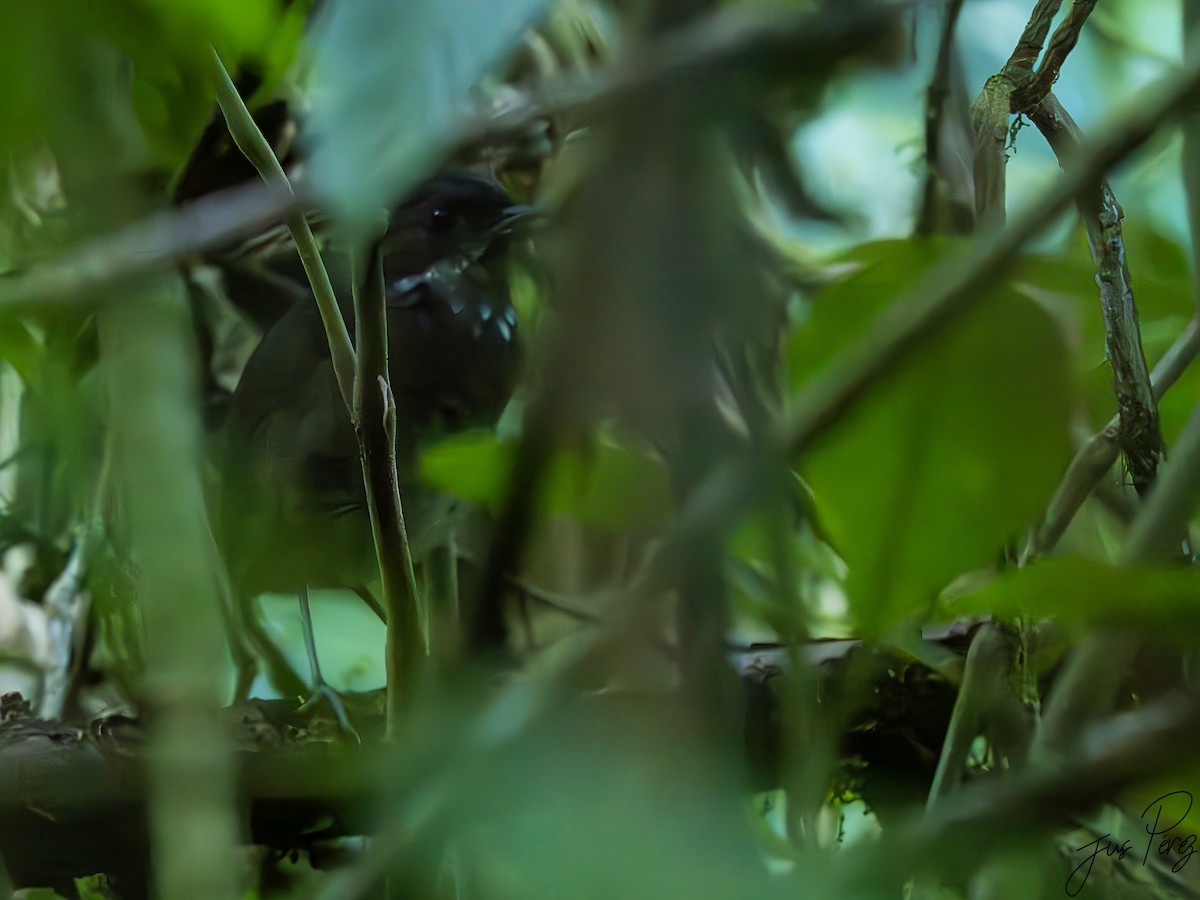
(512, 217)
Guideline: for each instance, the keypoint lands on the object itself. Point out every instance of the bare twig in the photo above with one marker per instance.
(990, 111)
(1156, 531)
(989, 125)
(1012, 90)
(935, 104)
(1029, 45)
(150, 245)
(1098, 454)
(1063, 42)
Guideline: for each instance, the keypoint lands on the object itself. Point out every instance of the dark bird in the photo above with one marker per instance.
(292, 512)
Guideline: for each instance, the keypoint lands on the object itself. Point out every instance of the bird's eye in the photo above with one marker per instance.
(441, 219)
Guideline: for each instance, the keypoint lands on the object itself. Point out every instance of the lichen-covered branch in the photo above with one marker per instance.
(991, 109)
(1029, 45)
(1061, 44)
(1137, 429)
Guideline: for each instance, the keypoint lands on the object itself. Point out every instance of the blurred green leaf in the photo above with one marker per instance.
(473, 466)
(165, 44)
(1086, 592)
(608, 486)
(842, 311)
(391, 85)
(95, 887)
(778, 574)
(621, 797)
(1162, 288)
(951, 456)
(20, 349)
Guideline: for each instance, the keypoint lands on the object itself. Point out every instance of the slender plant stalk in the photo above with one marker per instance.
(374, 416)
(1098, 454)
(144, 339)
(363, 381)
(935, 116)
(254, 146)
(1087, 689)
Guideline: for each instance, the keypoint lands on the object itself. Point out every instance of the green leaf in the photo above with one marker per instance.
(1086, 592)
(608, 485)
(95, 887)
(473, 465)
(20, 349)
(843, 310)
(948, 458)
(1162, 289)
(392, 84)
(55, 78)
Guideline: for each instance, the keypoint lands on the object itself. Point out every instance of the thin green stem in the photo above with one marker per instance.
(374, 416)
(254, 146)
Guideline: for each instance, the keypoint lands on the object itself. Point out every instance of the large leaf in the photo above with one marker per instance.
(950, 457)
(392, 84)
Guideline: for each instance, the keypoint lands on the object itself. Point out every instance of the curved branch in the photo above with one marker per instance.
(1029, 45)
(1063, 42)
(1137, 430)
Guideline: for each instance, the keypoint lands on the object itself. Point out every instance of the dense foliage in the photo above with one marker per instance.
(838, 539)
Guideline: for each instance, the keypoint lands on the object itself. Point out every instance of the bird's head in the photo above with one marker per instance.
(458, 217)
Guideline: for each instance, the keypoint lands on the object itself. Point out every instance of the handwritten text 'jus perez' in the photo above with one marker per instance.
(1162, 819)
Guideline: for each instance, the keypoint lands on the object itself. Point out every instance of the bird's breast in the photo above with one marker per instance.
(453, 356)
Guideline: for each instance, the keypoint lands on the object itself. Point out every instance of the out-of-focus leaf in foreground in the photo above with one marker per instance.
(392, 82)
(609, 486)
(1083, 592)
(619, 797)
(49, 66)
(950, 456)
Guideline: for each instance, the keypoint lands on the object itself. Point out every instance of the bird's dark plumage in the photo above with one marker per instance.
(293, 508)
